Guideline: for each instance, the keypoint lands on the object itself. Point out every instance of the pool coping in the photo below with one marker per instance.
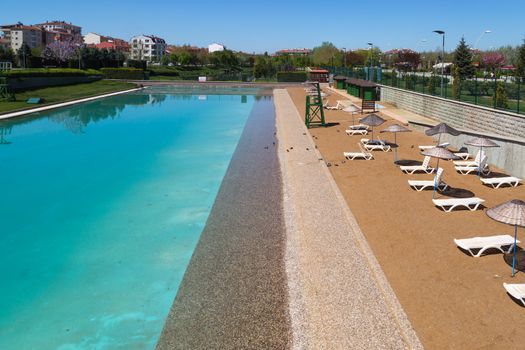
(10, 115)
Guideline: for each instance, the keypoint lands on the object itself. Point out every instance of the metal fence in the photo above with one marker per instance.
(504, 93)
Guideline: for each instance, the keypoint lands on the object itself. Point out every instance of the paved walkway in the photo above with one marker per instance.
(339, 296)
(391, 111)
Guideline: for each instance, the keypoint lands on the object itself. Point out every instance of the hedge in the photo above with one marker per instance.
(292, 77)
(50, 72)
(164, 72)
(125, 73)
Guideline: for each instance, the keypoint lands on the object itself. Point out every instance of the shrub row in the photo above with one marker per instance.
(125, 73)
(291, 77)
(50, 72)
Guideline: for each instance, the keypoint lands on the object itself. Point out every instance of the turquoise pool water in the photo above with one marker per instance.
(101, 207)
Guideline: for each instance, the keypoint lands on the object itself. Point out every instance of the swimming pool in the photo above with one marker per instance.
(101, 207)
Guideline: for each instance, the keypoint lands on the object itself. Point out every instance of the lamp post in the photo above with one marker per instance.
(480, 36)
(442, 33)
(371, 45)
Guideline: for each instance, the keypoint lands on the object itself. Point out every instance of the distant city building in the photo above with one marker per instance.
(298, 52)
(15, 35)
(4, 43)
(147, 48)
(106, 42)
(117, 45)
(62, 31)
(94, 39)
(215, 47)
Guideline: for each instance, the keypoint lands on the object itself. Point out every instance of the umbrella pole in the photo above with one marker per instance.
(514, 256)
(435, 181)
(395, 150)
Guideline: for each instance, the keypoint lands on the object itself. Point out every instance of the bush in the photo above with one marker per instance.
(292, 77)
(50, 72)
(171, 72)
(501, 96)
(137, 64)
(125, 73)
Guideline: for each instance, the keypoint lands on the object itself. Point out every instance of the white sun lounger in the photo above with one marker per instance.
(496, 182)
(359, 127)
(474, 162)
(410, 169)
(381, 146)
(465, 170)
(481, 244)
(516, 290)
(363, 154)
(425, 147)
(450, 204)
(463, 155)
(338, 106)
(420, 185)
(356, 132)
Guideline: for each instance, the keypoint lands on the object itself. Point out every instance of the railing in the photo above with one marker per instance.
(505, 93)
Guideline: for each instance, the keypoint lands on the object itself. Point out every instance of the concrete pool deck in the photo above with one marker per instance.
(339, 297)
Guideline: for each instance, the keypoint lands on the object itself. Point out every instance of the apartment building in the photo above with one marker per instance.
(62, 31)
(147, 48)
(15, 35)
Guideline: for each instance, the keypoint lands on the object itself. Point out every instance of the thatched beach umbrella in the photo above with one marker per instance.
(512, 213)
(440, 129)
(351, 109)
(439, 153)
(481, 142)
(372, 120)
(395, 128)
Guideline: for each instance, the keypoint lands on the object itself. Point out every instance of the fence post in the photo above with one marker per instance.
(519, 96)
(476, 92)
(495, 88)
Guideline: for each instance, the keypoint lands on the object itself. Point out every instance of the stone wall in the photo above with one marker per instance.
(507, 129)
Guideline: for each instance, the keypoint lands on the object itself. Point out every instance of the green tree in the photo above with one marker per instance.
(263, 67)
(463, 60)
(23, 54)
(520, 62)
(431, 84)
(327, 55)
(502, 100)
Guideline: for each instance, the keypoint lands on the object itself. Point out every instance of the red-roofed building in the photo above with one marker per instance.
(117, 45)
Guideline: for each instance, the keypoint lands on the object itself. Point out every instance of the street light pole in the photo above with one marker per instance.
(442, 33)
(479, 38)
(370, 68)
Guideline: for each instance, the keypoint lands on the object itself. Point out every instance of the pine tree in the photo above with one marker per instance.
(463, 60)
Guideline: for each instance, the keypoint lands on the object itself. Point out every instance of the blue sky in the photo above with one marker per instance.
(258, 26)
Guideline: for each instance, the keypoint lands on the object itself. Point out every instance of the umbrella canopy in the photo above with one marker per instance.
(512, 213)
(481, 142)
(351, 109)
(442, 128)
(439, 153)
(395, 128)
(372, 120)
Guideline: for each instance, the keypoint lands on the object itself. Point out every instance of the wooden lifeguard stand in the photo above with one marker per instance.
(314, 106)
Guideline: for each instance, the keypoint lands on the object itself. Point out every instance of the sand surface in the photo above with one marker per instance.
(453, 301)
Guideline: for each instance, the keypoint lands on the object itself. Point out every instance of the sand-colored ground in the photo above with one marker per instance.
(454, 301)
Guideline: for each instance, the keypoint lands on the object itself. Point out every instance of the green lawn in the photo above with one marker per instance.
(63, 93)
